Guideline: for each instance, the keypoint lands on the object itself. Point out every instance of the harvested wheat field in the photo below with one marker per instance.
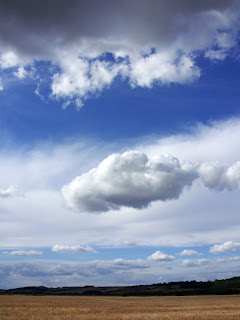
(110, 308)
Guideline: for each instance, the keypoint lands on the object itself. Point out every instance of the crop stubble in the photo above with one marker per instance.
(119, 308)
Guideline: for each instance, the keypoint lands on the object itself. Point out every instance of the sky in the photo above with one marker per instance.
(119, 145)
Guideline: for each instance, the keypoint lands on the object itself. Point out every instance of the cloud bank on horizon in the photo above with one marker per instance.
(133, 180)
(90, 44)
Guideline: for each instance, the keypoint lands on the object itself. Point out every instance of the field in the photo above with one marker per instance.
(116, 308)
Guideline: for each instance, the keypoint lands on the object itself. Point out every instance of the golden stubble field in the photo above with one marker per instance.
(124, 308)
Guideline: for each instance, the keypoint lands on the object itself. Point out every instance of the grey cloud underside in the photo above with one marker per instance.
(88, 269)
(61, 23)
(76, 35)
(133, 180)
(130, 179)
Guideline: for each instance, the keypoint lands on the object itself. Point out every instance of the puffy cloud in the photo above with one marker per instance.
(160, 256)
(132, 179)
(220, 176)
(11, 191)
(8, 60)
(128, 179)
(29, 253)
(148, 43)
(188, 252)
(40, 218)
(59, 248)
(21, 73)
(227, 246)
(195, 263)
(79, 79)
(164, 69)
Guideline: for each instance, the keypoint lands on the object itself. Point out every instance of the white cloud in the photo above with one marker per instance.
(8, 60)
(220, 176)
(195, 263)
(59, 248)
(235, 258)
(160, 256)
(40, 218)
(21, 73)
(128, 179)
(227, 246)
(29, 253)
(11, 191)
(188, 252)
(132, 179)
(79, 78)
(178, 33)
(163, 68)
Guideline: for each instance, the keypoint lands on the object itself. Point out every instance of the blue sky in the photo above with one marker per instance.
(119, 142)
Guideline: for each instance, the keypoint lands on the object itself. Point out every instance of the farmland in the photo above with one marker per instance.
(21, 307)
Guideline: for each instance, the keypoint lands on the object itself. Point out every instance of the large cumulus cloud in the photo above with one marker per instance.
(128, 179)
(132, 179)
(91, 43)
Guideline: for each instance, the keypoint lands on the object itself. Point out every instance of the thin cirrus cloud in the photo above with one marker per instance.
(133, 180)
(227, 246)
(71, 249)
(29, 253)
(78, 38)
(160, 256)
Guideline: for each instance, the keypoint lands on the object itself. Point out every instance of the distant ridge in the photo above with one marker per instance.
(180, 288)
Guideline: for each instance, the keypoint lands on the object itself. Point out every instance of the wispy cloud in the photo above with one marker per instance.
(29, 253)
(61, 248)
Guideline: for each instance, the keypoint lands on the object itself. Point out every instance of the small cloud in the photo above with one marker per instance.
(21, 73)
(8, 60)
(189, 253)
(160, 256)
(129, 243)
(234, 259)
(9, 192)
(219, 176)
(195, 263)
(23, 253)
(221, 260)
(227, 246)
(1, 86)
(59, 248)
